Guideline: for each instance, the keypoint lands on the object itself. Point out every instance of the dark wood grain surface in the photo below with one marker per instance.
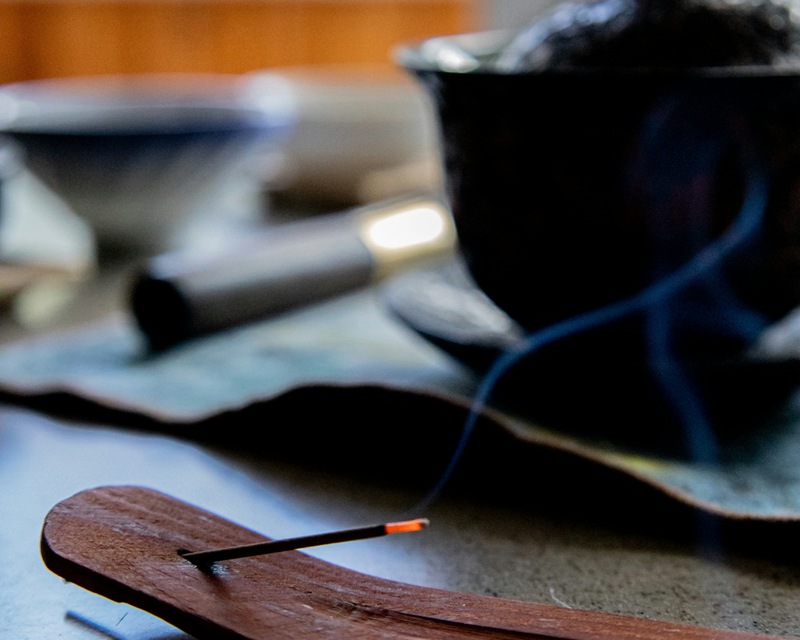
(123, 543)
(556, 540)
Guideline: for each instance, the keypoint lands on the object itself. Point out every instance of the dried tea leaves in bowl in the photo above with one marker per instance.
(656, 34)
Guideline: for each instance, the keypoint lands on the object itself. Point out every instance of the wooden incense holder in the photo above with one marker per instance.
(123, 543)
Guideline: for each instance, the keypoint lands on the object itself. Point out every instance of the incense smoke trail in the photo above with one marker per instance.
(654, 300)
(682, 148)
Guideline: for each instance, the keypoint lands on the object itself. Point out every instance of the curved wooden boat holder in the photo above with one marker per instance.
(123, 543)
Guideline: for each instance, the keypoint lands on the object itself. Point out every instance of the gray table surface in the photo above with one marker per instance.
(540, 527)
(506, 547)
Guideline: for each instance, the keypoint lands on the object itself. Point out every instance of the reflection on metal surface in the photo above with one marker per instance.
(406, 233)
(419, 225)
(448, 56)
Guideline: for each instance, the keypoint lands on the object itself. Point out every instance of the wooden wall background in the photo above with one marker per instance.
(56, 38)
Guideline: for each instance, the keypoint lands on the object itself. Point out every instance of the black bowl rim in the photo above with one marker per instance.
(411, 57)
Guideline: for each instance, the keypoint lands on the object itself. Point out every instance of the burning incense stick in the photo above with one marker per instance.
(274, 546)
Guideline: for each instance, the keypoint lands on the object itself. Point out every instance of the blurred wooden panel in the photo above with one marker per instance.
(61, 39)
(251, 35)
(12, 61)
(169, 36)
(353, 31)
(53, 38)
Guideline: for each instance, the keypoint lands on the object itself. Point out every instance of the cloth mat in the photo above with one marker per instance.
(353, 341)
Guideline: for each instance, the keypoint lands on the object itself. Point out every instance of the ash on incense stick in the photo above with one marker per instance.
(657, 34)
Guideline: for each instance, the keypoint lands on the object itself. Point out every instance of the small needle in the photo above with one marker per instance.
(274, 546)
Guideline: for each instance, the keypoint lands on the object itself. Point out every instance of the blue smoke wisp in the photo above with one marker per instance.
(744, 227)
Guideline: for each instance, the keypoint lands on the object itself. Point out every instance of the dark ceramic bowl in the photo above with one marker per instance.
(574, 190)
(571, 190)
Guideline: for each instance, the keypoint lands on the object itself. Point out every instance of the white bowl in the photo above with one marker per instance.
(137, 155)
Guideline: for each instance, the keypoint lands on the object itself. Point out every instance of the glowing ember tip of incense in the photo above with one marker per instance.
(407, 525)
